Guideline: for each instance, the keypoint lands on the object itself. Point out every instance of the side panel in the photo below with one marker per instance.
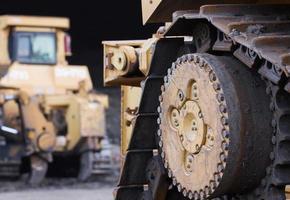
(130, 100)
(84, 119)
(44, 79)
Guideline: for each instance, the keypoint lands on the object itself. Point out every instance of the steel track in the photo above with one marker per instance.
(134, 183)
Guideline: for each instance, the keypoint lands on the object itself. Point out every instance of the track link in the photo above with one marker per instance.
(278, 173)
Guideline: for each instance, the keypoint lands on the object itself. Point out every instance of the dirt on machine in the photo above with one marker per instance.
(49, 111)
(205, 101)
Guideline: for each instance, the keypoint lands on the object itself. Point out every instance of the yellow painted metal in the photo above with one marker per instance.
(148, 7)
(287, 191)
(61, 54)
(146, 54)
(117, 55)
(38, 125)
(44, 79)
(34, 29)
(33, 21)
(4, 48)
(114, 74)
(102, 98)
(130, 98)
(32, 24)
(84, 118)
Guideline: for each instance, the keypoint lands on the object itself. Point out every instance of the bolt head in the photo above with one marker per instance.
(181, 138)
(197, 147)
(200, 115)
(180, 95)
(190, 158)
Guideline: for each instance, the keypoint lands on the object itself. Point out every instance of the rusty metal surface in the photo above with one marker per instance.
(262, 29)
(161, 10)
(121, 67)
(130, 98)
(120, 60)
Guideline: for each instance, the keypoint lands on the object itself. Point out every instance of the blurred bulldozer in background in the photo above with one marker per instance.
(48, 110)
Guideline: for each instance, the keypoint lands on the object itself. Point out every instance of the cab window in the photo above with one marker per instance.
(33, 47)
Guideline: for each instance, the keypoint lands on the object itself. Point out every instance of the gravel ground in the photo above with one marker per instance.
(60, 194)
(58, 189)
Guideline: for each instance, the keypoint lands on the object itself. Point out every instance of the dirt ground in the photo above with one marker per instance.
(58, 189)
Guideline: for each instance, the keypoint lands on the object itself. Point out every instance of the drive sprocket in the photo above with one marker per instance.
(214, 126)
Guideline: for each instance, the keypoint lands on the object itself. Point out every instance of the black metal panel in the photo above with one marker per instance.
(151, 91)
(144, 132)
(165, 53)
(134, 169)
(184, 26)
(129, 193)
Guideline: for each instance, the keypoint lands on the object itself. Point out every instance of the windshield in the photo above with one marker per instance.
(34, 48)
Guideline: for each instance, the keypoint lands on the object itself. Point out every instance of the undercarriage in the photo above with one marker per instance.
(213, 118)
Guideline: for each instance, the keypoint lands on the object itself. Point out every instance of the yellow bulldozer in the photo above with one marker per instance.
(205, 101)
(48, 108)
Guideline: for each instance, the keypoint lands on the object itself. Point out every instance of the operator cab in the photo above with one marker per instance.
(29, 40)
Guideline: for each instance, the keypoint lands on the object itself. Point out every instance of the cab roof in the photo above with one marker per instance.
(34, 21)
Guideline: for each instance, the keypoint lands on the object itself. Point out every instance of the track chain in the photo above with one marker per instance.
(273, 185)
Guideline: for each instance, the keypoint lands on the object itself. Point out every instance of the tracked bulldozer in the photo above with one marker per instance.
(205, 101)
(47, 106)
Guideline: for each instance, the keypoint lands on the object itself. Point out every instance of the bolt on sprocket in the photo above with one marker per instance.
(207, 132)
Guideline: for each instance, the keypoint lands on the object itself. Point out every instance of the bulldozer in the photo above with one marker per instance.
(48, 107)
(205, 101)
